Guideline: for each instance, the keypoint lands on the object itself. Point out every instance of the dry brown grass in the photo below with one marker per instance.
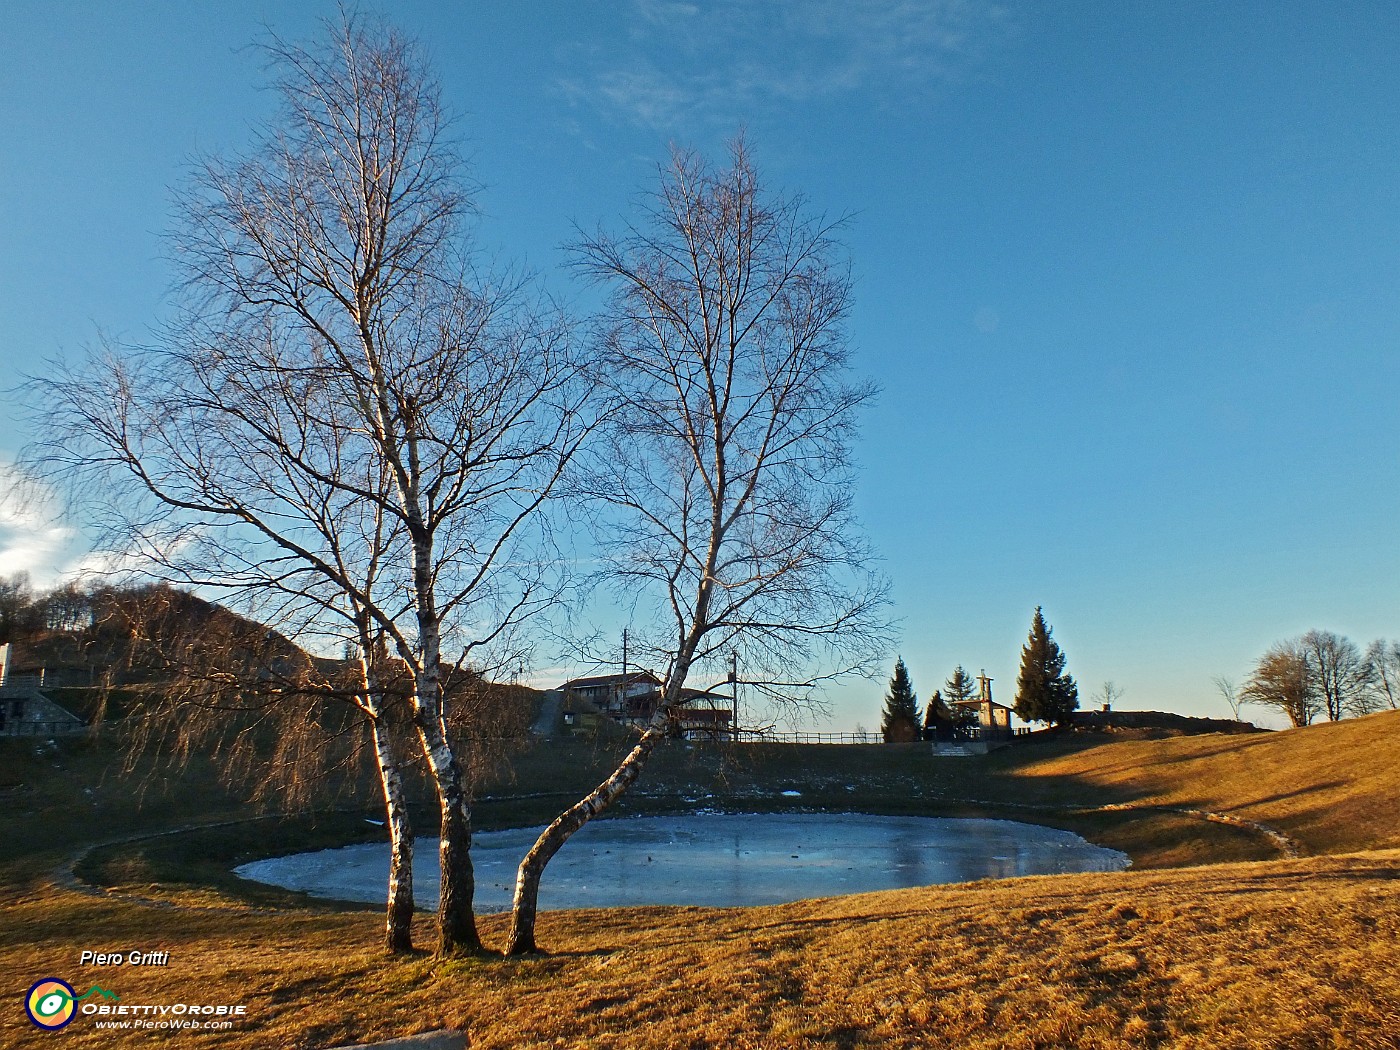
(1332, 787)
(1278, 953)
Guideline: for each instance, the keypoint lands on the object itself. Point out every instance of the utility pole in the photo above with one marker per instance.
(622, 686)
(734, 692)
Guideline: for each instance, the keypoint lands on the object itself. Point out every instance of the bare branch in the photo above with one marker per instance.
(726, 469)
(349, 422)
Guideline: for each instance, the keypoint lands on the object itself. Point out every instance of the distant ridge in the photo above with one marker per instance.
(1158, 723)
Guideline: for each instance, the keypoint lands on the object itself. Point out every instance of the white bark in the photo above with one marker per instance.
(399, 919)
(726, 471)
(348, 420)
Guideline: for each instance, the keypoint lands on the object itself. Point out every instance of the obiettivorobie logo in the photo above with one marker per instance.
(52, 1004)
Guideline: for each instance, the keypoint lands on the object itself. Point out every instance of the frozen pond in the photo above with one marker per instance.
(712, 859)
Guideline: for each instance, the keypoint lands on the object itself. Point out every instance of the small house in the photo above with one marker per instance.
(24, 709)
(616, 695)
(631, 699)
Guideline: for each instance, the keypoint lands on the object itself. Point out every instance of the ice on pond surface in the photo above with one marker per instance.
(713, 859)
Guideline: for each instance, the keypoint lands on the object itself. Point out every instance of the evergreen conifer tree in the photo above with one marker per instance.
(936, 714)
(959, 687)
(902, 717)
(1044, 692)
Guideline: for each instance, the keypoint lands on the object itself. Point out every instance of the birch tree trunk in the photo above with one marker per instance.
(525, 905)
(456, 920)
(398, 933)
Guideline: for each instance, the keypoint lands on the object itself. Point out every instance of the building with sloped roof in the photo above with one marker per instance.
(25, 710)
(631, 699)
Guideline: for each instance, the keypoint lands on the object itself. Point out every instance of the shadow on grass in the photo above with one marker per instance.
(879, 779)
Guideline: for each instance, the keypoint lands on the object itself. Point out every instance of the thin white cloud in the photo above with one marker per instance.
(664, 11)
(33, 539)
(120, 564)
(37, 554)
(728, 61)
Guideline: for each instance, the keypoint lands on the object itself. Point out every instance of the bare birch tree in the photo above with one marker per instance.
(348, 419)
(1230, 693)
(726, 471)
(1341, 678)
(1383, 670)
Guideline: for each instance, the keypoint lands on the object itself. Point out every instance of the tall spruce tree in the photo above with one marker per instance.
(1044, 692)
(959, 687)
(902, 717)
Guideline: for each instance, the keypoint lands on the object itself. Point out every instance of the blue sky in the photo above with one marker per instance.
(1128, 275)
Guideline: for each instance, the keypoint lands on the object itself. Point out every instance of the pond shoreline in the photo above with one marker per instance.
(717, 859)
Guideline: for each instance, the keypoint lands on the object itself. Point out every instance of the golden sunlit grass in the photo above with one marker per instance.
(1332, 787)
(1278, 954)
(1257, 953)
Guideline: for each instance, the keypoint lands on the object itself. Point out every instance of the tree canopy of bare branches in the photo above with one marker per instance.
(1383, 666)
(1323, 673)
(350, 428)
(1341, 677)
(1230, 693)
(724, 473)
(1283, 680)
(1109, 694)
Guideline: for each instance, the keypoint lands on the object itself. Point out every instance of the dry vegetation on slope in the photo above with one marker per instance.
(1332, 787)
(1280, 953)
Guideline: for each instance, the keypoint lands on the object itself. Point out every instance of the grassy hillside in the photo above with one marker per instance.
(1243, 951)
(1333, 787)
